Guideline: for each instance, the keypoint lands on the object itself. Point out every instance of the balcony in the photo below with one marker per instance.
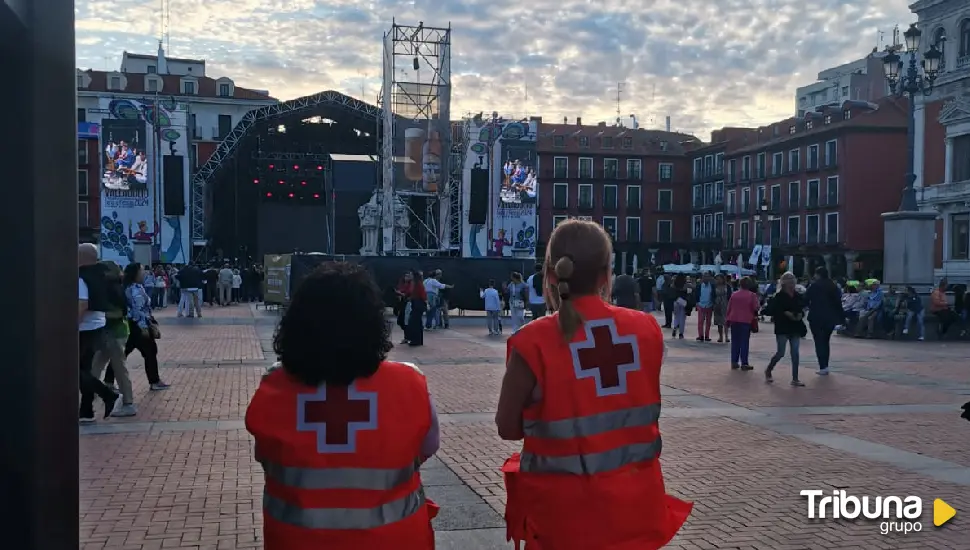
(812, 202)
(832, 238)
(963, 62)
(197, 133)
(812, 239)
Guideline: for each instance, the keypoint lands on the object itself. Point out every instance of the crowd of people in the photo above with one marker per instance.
(189, 286)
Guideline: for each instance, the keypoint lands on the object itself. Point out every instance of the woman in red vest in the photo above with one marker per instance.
(582, 389)
(340, 431)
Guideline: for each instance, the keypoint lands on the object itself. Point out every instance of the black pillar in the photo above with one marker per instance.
(38, 228)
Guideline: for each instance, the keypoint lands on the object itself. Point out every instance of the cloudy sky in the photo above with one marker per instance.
(706, 63)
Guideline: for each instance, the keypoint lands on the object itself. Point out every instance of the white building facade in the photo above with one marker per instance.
(859, 80)
(946, 24)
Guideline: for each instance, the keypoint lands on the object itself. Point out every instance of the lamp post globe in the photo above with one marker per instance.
(912, 38)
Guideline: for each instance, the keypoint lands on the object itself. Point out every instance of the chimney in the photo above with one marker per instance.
(601, 125)
(160, 66)
(579, 121)
(565, 120)
(668, 123)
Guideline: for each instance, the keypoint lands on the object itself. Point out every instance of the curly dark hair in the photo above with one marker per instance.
(333, 330)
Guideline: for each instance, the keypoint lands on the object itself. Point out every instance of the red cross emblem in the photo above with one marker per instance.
(605, 356)
(336, 414)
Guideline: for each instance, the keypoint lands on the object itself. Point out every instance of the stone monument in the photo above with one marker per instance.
(370, 222)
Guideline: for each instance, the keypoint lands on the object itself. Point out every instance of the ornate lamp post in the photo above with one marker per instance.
(761, 217)
(906, 79)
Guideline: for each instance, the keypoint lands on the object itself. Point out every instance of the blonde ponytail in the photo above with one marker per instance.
(569, 318)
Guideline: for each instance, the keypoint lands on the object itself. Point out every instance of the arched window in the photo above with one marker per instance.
(939, 40)
(965, 38)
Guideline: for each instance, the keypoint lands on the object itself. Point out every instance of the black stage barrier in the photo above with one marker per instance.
(469, 275)
(39, 439)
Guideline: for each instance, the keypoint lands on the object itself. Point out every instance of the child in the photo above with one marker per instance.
(493, 307)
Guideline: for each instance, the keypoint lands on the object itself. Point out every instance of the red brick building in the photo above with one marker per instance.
(633, 181)
(88, 188)
(826, 179)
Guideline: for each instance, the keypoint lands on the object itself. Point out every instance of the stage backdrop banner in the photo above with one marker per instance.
(134, 135)
(276, 280)
(508, 150)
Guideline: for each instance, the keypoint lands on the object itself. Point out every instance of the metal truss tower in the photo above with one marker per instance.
(415, 95)
(459, 144)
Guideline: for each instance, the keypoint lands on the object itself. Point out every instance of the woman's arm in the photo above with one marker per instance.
(516, 393)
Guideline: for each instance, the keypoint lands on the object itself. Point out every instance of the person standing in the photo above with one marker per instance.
(537, 303)
(589, 474)
(722, 295)
(444, 302)
(225, 279)
(742, 314)
(493, 308)
(824, 302)
(705, 307)
(191, 280)
(518, 294)
(210, 292)
(667, 294)
(626, 292)
(432, 286)
(682, 296)
(403, 294)
(93, 301)
(647, 283)
(236, 286)
(414, 335)
(143, 331)
(786, 309)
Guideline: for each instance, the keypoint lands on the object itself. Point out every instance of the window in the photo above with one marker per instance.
(628, 143)
(559, 165)
(666, 171)
(813, 157)
(731, 201)
(225, 126)
(665, 231)
(732, 174)
(745, 199)
(585, 196)
(225, 90)
(777, 162)
(82, 152)
(663, 145)
(832, 191)
(609, 224)
(558, 141)
(152, 85)
(760, 196)
(965, 38)
(791, 129)
(188, 87)
(82, 183)
(939, 40)
(708, 194)
(831, 152)
(698, 201)
(832, 227)
(729, 237)
(774, 231)
(960, 236)
(610, 170)
(585, 168)
(560, 195)
(776, 196)
(556, 220)
(794, 228)
(846, 114)
(809, 125)
(665, 200)
(709, 166)
(698, 168)
(794, 194)
(607, 142)
(828, 119)
(745, 168)
(633, 169)
(811, 229)
(583, 142)
(762, 159)
(960, 158)
(745, 236)
(80, 81)
(633, 199)
(759, 232)
(708, 226)
(82, 214)
(697, 227)
(718, 192)
(115, 82)
(794, 160)
(719, 225)
(82, 115)
(152, 69)
(633, 230)
(609, 197)
(812, 193)
(719, 164)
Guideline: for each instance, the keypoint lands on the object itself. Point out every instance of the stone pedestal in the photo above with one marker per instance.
(909, 249)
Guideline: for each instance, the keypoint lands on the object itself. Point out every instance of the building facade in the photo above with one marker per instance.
(635, 182)
(825, 180)
(88, 176)
(943, 135)
(861, 80)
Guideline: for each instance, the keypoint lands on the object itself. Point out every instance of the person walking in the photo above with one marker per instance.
(742, 319)
(786, 308)
(94, 300)
(824, 302)
(537, 303)
(722, 294)
(518, 294)
(679, 306)
(705, 307)
(493, 308)
(143, 330)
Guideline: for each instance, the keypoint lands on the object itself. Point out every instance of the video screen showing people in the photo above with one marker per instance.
(125, 162)
(519, 185)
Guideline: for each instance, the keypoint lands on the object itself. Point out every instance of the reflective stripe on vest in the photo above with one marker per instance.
(593, 463)
(375, 479)
(343, 518)
(586, 426)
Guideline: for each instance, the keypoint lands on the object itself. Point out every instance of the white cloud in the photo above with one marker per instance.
(706, 63)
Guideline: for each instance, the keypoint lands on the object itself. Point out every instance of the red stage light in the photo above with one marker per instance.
(269, 194)
(319, 167)
(316, 195)
(281, 182)
(256, 181)
(295, 167)
(271, 166)
(291, 195)
(302, 183)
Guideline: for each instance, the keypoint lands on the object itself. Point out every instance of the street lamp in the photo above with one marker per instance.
(911, 83)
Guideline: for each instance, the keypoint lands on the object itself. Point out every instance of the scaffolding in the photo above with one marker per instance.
(416, 94)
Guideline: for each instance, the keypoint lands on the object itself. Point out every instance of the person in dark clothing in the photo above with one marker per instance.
(95, 297)
(647, 284)
(414, 334)
(211, 276)
(626, 292)
(786, 308)
(668, 295)
(824, 301)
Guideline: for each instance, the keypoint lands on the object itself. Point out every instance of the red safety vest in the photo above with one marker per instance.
(588, 477)
(341, 463)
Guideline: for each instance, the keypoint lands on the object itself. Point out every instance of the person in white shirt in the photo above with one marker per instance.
(537, 302)
(432, 286)
(140, 169)
(92, 335)
(236, 285)
(493, 308)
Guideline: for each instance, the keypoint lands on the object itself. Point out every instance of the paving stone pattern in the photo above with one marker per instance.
(181, 474)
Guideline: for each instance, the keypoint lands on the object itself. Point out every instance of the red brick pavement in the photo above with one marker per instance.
(205, 344)
(215, 312)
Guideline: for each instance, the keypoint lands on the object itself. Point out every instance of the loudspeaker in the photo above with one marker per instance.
(478, 197)
(173, 178)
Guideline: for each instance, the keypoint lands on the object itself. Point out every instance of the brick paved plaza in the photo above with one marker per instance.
(886, 422)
